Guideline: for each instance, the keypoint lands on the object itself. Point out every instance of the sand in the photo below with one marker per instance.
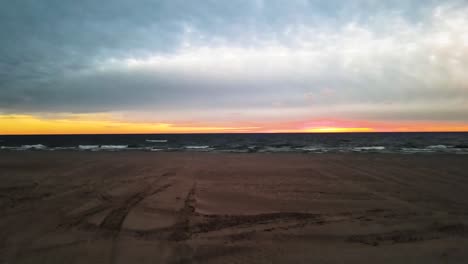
(141, 207)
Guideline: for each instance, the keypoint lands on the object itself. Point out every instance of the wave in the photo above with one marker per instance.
(433, 148)
(197, 147)
(102, 147)
(88, 147)
(156, 150)
(33, 147)
(25, 147)
(437, 147)
(276, 149)
(113, 147)
(7, 147)
(62, 148)
(156, 140)
(370, 148)
(312, 149)
(417, 150)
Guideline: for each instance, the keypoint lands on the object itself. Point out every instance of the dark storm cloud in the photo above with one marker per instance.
(90, 56)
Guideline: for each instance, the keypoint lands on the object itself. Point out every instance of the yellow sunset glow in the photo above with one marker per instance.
(108, 124)
(25, 124)
(338, 129)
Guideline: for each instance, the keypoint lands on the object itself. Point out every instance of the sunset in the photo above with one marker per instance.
(234, 131)
(146, 64)
(106, 124)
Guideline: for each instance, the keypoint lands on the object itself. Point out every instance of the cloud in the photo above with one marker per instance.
(399, 60)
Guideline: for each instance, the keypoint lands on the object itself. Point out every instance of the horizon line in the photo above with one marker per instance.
(234, 133)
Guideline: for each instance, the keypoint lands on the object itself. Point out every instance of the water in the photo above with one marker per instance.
(309, 143)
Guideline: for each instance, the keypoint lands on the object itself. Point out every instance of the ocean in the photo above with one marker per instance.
(456, 143)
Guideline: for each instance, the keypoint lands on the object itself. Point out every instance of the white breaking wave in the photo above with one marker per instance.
(417, 150)
(432, 148)
(311, 148)
(157, 140)
(63, 148)
(276, 149)
(88, 147)
(197, 147)
(113, 147)
(7, 147)
(156, 150)
(102, 147)
(36, 146)
(370, 148)
(437, 147)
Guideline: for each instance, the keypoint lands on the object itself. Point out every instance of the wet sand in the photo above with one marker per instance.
(141, 207)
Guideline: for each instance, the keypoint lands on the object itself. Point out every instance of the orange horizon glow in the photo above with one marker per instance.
(103, 124)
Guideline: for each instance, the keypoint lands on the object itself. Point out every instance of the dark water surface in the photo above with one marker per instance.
(314, 143)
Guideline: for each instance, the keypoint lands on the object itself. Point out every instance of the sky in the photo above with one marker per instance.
(155, 66)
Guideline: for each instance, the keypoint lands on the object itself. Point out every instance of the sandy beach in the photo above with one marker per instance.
(142, 207)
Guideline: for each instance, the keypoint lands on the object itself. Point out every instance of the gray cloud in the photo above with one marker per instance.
(266, 59)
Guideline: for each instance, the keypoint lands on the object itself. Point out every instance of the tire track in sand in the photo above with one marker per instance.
(113, 221)
(182, 227)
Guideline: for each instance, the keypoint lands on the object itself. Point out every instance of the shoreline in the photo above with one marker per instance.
(221, 151)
